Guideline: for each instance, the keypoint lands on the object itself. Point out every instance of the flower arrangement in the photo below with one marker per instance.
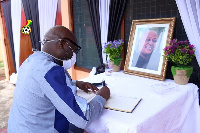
(114, 49)
(179, 52)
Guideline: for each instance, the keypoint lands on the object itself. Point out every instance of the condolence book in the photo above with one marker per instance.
(119, 103)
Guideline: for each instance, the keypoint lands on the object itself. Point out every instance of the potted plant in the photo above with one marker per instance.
(114, 49)
(180, 53)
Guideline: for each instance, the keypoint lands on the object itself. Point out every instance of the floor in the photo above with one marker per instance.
(2, 74)
(6, 95)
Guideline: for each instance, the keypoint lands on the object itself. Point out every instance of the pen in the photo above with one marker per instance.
(103, 83)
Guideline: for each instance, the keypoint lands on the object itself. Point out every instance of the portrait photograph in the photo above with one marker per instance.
(145, 48)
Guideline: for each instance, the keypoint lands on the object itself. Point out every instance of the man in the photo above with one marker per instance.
(44, 101)
(146, 48)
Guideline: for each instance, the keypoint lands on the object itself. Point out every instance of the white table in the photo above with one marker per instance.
(166, 107)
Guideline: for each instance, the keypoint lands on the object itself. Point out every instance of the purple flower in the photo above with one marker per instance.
(118, 43)
(115, 41)
(173, 50)
(183, 50)
(190, 52)
(166, 48)
(170, 47)
(105, 45)
(186, 42)
(168, 53)
(113, 48)
(121, 40)
(191, 47)
(110, 42)
(176, 49)
(174, 41)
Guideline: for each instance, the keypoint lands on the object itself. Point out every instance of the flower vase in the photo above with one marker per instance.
(181, 74)
(116, 64)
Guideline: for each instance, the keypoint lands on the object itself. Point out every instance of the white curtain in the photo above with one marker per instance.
(104, 21)
(47, 15)
(16, 27)
(190, 15)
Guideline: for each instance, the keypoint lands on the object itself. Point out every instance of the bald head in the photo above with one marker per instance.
(59, 32)
(55, 33)
(55, 42)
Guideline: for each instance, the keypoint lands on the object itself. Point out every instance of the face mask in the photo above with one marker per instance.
(67, 64)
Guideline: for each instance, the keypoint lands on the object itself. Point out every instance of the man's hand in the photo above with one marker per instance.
(104, 92)
(85, 86)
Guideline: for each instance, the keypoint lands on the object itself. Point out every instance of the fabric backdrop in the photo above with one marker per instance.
(31, 12)
(16, 27)
(6, 5)
(93, 6)
(104, 21)
(190, 15)
(116, 12)
(47, 15)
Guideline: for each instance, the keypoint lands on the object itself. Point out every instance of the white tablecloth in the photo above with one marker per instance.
(166, 107)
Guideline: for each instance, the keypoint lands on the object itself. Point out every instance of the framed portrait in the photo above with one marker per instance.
(147, 39)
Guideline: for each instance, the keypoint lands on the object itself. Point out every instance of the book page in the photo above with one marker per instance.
(85, 95)
(120, 103)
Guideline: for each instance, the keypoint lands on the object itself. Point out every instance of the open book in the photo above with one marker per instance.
(119, 103)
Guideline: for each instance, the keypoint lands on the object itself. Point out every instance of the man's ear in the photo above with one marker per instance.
(61, 44)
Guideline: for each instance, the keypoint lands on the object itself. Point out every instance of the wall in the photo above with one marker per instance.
(67, 21)
(1, 52)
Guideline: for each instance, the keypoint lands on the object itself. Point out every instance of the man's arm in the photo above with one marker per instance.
(63, 99)
(94, 111)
